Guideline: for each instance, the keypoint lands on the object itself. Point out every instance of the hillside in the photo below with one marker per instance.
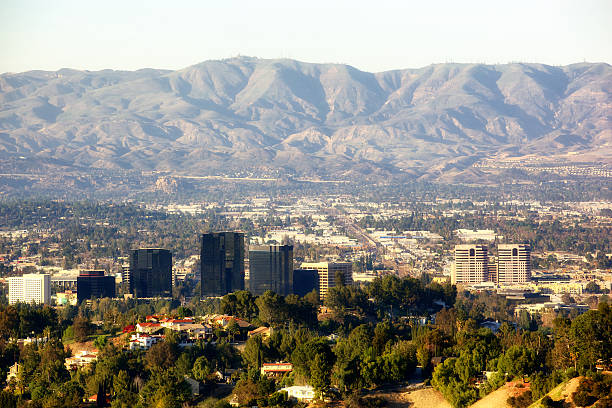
(499, 397)
(285, 117)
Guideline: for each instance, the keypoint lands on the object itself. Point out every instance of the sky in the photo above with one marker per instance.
(370, 35)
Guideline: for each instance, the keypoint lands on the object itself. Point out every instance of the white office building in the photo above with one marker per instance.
(513, 263)
(471, 264)
(30, 288)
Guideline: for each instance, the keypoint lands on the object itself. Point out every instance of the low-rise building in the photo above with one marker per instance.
(538, 309)
(13, 372)
(148, 327)
(67, 297)
(224, 320)
(303, 393)
(82, 359)
(141, 341)
(276, 369)
(263, 331)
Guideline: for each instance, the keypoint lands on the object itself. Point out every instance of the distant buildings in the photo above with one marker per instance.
(276, 369)
(471, 264)
(271, 268)
(327, 274)
(222, 263)
(468, 235)
(30, 288)
(94, 284)
(300, 392)
(150, 273)
(82, 359)
(67, 297)
(513, 263)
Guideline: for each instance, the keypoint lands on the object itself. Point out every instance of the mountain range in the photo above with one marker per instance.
(284, 117)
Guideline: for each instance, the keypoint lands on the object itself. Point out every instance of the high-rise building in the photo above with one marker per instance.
(271, 268)
(305, 281)
(471, 264)
(222, 263)
(150, 273)
(94, 284)
(327, 274)
(513, 263)
(31, 287)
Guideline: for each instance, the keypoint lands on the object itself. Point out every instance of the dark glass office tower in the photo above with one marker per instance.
(150, 273)
(222, 263)
(94, 284)
(271, 268)
(305, 281)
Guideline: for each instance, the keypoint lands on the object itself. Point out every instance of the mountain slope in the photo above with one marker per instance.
(289, 117)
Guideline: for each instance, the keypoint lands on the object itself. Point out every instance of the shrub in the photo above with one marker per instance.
(520, 401)
(548, 402)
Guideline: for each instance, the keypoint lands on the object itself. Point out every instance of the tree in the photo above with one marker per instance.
(320, 374)
(592, 287)
(304, 356)
(9, 321)
(201, 368)
(272, 308)
(164, 389)
(518, 360)
(123, 389)
(232, 329)
(424, 357)
(254, 352)
(7, 399)
(100, 342)
(591, 335)
(183, 312)
(81, 329)
(160, 355)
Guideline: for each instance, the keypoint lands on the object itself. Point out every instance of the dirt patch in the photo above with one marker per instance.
(570, 388)
(499, 397)
(85, 346)
(424, 398)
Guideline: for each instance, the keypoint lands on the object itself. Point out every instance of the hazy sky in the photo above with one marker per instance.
(370, 35)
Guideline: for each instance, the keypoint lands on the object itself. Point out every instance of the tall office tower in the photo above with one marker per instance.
(31, 287)
(150, 273)
(471, 264)
(327, 274)
(271, 268)
(305, 281)
(222, 263)
(125, 276)
(94, 284)
(513, 263)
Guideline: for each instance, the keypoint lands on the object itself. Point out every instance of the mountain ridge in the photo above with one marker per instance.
(295, 118)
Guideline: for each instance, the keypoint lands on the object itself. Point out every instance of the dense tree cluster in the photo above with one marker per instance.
(375, 335)
(537, 356)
